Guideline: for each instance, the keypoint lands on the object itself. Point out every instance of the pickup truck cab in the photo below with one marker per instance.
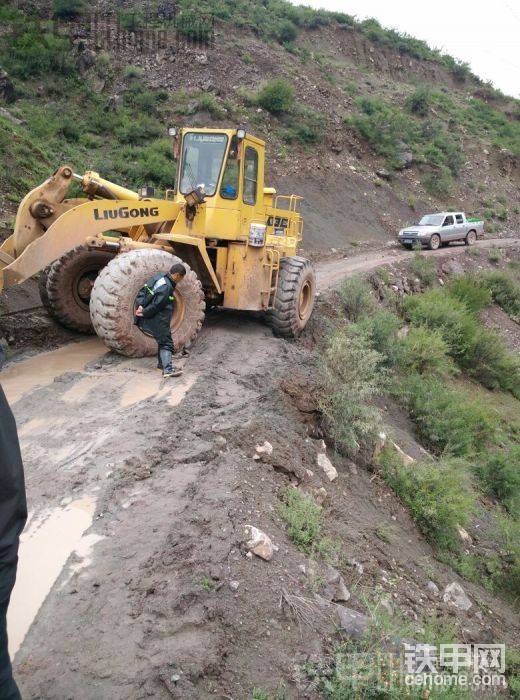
(434, 230)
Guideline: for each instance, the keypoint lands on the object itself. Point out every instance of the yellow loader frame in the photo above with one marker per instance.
(234, 247)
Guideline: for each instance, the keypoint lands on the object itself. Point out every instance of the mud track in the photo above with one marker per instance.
(139, 490)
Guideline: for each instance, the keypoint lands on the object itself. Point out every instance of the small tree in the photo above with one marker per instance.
(276, 96)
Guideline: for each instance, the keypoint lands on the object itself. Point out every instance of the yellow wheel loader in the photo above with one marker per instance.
(237, 239)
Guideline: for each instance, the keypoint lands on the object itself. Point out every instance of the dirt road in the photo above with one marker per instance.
(132, 580)
(332, 272)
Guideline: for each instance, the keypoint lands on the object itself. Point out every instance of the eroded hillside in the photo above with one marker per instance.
(370, 127)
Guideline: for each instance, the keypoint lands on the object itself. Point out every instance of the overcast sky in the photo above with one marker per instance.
(484, 34)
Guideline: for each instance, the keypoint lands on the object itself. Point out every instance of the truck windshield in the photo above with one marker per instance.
(202, 157)
(432, 220)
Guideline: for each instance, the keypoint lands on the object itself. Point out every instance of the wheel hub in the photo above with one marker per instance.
(304, 300)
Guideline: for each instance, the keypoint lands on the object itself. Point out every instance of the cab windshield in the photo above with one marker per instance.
(202, 157)
(432, 220)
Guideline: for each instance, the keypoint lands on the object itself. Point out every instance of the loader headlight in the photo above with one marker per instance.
(172, 131)
(241, 134)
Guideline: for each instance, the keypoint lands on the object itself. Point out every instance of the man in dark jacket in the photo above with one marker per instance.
(13, 514)
(154, 313)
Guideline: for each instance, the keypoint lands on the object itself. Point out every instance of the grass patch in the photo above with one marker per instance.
(505, 292)
(437, 493)
(449, 422)
(424, 351)
(498, 471)
(351, 378)
(472, 291)
(424, 268)
(357, 298)
(276, 96)
(304, 520)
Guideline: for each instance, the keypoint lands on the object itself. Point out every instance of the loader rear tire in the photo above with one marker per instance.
(66, 286)
(294, 297)
(113, 302)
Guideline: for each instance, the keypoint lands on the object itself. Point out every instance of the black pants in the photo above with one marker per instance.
(8, 688)
(13, 514)
(165, 348)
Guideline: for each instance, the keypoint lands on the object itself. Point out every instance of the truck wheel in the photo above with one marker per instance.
(294, 297)
(113, 302)
(66, 286)
(471, 238)
(435, 242)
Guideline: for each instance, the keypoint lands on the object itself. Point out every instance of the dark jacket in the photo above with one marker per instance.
(13, 506)
(156, 298)
(13, 514)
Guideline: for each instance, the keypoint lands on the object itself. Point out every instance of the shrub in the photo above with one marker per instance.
(351, 378)
(130, 19)
(193, 26)
(132, 72)
(437, 493)
(449, 423)
(67, 9)
(505, 292)
(424, 351)
(381, 332)
(208, 102)
(451, 317)
(33, 53)
(136, 131)
(418, 102)
(495, 255)
(424, 268)
(438, 184)
(471, 290)
(307, 127)
(276, 96)
(491, 363)
(357, 297)
(499, 473)
(303, 518)
(287, 32)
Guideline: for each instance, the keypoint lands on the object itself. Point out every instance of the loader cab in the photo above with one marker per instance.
(228, 167)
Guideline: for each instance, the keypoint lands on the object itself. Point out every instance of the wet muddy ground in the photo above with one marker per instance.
(139, 490)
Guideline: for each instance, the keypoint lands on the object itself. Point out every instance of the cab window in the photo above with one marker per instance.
(448, 221)
(250, 175)
(459, 218)
(230, 179)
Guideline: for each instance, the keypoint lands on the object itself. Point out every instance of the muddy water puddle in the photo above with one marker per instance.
(145, 386)
(47, 542)
(41, 370)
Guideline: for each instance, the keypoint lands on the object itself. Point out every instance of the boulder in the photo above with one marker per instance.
(258, 543)
(327, 466)
(353, 623)
(266, 449)
(432, 587)
(452, 267)
(455, 595)
(335, 590)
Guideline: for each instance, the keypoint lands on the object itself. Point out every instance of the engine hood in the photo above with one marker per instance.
(415, 230)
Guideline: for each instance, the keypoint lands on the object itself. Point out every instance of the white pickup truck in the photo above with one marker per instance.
(434, 230)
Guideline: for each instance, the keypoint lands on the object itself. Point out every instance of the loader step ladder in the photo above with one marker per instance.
(273, 263)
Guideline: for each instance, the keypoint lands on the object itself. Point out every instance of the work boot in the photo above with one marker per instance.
(173, 372)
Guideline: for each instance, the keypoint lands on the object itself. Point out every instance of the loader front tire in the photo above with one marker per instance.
(294, 297)
(66, 286)
(113, 302)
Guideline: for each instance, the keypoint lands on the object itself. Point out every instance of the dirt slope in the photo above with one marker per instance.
(148, 603)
